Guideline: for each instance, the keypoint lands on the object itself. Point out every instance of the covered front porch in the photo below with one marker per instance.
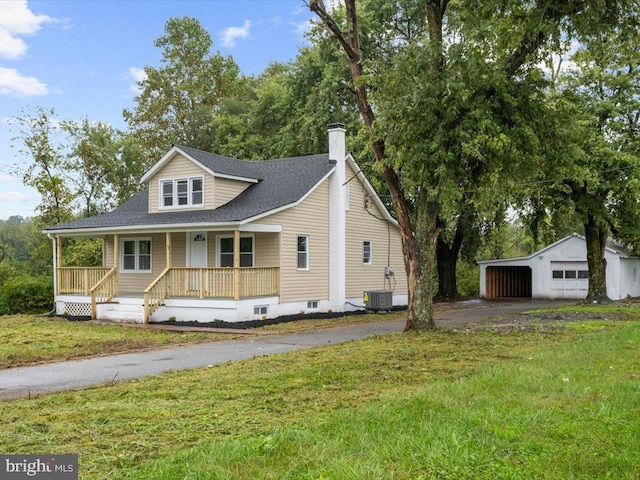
(150, 271)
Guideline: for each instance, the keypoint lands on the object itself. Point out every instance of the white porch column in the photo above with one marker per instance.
(55, 265)
(337, 218)
(236, 264)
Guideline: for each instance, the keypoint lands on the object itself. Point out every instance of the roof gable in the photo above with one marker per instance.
(215, 165)
(359, 174)
(612, 247)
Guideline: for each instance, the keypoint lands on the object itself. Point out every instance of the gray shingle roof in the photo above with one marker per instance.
(281, 182)
(224, 165)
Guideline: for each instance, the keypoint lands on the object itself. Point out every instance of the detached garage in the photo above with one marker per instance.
(559, 271)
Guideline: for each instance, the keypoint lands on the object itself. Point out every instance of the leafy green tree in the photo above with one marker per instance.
(44, 160)
(600, 178)
(23, 248)
(79, 168)
(91, 153)
(178, 97)
(445, 107)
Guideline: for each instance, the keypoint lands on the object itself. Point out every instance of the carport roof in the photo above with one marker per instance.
(612, 246)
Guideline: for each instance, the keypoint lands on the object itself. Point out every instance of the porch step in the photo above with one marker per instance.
(119, 312)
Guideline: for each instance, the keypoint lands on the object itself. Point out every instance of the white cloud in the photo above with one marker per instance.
(13, 83)
(137, 75)
(11, 47)
(15, 20)
(332, 4)
(6, 178)
(300, 28)
(231, 34)
(15, 197)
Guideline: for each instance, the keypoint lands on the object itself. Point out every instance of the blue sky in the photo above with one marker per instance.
(82, 58)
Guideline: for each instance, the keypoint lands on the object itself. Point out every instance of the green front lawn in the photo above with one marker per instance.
(539, 403)
(28, 339)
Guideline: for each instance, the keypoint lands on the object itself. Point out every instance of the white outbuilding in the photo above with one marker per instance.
(560, 271)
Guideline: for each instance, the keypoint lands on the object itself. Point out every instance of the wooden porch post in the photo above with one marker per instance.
(168, 253)
(167, 286)
(85, 281)
(116, 261)
(236, 264)
(116, 252)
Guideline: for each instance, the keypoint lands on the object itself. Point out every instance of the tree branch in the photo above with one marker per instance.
(317, 7)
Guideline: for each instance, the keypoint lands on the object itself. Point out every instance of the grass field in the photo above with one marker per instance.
(560, 403)
(28, 339)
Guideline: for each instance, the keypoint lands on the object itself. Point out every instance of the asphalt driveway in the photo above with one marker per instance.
(54, 377)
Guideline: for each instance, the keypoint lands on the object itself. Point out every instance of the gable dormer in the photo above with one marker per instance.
(189, 179)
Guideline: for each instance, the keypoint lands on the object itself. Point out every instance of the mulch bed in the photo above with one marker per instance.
(269, 321)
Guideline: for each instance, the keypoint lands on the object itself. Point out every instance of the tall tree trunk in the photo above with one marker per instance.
(420, 268)
(596, 236)
(447, 254)
(418, 246)
(447, 263)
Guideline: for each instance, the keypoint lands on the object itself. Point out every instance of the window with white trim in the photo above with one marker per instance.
(225, 251)
(136, 255)
(260, 310)
(366, 252)
(303, 252)
(182, 192)
(312, 304)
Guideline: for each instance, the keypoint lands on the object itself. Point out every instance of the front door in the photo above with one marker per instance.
(196, 258)
(197, 255)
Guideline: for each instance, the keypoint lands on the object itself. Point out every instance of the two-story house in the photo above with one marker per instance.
(215, 238)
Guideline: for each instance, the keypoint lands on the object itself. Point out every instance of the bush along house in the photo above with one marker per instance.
(214, 238)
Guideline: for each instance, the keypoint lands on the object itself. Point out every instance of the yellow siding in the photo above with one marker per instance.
(267, 250)
(310, 218)
(266, 254)
(107, 251)
(226, 190)
(363, 226)
(180, 167)
(137, 282)
(178, 249)
(212, 247)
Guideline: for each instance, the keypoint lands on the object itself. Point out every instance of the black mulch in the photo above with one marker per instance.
(269, 321)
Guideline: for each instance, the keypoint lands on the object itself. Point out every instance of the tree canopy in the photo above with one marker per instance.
(453, 118)
(178, 97)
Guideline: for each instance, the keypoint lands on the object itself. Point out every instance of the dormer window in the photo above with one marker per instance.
(182, 192)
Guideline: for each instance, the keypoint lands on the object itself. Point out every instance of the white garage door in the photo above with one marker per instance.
(569, 279)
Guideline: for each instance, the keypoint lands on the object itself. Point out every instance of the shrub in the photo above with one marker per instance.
(26, 295)
(468, 279)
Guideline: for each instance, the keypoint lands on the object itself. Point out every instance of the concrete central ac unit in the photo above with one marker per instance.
(378, 300)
